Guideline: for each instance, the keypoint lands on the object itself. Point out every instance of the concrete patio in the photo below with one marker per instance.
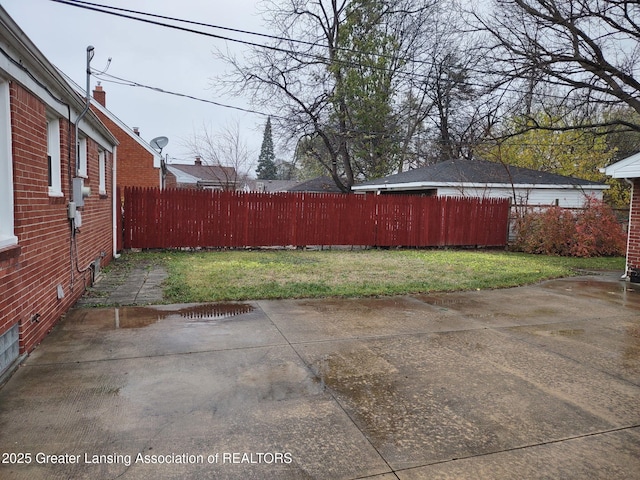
(530, 382)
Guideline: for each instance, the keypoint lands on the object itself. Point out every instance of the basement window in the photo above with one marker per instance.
(9, 348)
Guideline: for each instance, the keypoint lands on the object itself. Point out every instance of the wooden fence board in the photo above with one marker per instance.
(195, 218)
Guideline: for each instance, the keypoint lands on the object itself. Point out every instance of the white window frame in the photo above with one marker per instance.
(7, 232)
(82, 157)
(53, 152)
(102, 172)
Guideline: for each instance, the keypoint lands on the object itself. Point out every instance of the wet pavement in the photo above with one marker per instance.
(140, 284)
(530, 382)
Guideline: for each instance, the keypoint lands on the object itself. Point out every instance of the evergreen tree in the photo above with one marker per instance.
(267, 160)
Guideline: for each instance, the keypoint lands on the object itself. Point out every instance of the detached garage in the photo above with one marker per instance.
(480, 178)
(629, 170)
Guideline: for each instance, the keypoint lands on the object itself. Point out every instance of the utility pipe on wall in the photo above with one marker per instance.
(116, 202)
(86, 107)
(625, 276)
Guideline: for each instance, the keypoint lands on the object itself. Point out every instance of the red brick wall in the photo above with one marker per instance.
(633, 255)
(31, 271)
(135, 163)
(170, 181)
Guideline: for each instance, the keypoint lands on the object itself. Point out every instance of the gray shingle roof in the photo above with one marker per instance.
(322, 184)
(208, 173)
(270, 186)
(478, 171)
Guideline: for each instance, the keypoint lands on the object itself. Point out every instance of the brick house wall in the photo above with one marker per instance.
(633, 251)
(629, 170)
(135, 162)
(42, 260)
(170, 181)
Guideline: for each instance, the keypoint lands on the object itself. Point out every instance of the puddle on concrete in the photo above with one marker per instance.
(356, 306)
(370, 384)
(140, 317)
(283, 381)
(135, 317)
(441, 301)
(215, 311)
(625, 293)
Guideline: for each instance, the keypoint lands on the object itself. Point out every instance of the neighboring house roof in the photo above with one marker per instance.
(625, 168)
(203, 174)
(124, 127)
(471, 173)
(320, 184)
(157, 158)
(269, 186)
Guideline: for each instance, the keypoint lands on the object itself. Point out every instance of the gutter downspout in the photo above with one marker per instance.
(116, 202)
(72, 221)
(625, 276)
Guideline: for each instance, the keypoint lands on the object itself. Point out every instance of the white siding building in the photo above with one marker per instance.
(480, 178)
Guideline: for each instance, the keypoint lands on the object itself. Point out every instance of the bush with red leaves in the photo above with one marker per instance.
(593, 231)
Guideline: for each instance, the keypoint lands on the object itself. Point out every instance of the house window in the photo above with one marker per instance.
(53, 157)
(82, 158)
(7, 235)
(102, 175)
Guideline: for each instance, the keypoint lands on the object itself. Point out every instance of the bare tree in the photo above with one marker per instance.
(582, 55)
(224, 154)
(337, 76)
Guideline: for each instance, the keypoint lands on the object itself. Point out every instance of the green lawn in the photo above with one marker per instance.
(263, 274)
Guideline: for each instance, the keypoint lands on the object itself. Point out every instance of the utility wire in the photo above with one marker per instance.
(131, 83)
(99, 8)
(315, 56)
(202, 24)
(105, 77)
(110, 10)
(116, 11)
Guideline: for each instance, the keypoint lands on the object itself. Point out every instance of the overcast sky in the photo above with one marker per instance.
(151, 55)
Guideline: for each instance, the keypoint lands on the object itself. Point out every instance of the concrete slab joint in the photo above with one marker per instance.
(529, 382)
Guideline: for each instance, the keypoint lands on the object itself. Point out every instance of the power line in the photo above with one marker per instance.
(131, 83)
(193, 22)
(320, 58)
(116, 12)
(125, 13)
(105, 77)
(110, 10)
(99, 9)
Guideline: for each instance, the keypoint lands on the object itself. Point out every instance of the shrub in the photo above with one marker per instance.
(591, 232)
(598, 232)
(548, 232)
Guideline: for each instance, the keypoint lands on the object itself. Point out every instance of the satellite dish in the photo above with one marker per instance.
(159, 143)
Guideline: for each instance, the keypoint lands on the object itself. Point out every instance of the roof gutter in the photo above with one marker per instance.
(416, 185)
(625, 275)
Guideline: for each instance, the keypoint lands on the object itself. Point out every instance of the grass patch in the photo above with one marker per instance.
(245, 275)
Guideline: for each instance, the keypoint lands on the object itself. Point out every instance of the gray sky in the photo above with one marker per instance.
(151, 55)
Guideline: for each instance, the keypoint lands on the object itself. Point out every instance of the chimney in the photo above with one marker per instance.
(136, 130)
(100, 95)
(198, 161)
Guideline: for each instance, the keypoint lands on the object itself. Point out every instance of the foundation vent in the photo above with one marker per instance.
(95, 270)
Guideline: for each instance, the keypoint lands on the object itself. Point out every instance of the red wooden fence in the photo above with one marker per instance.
(172, 218)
